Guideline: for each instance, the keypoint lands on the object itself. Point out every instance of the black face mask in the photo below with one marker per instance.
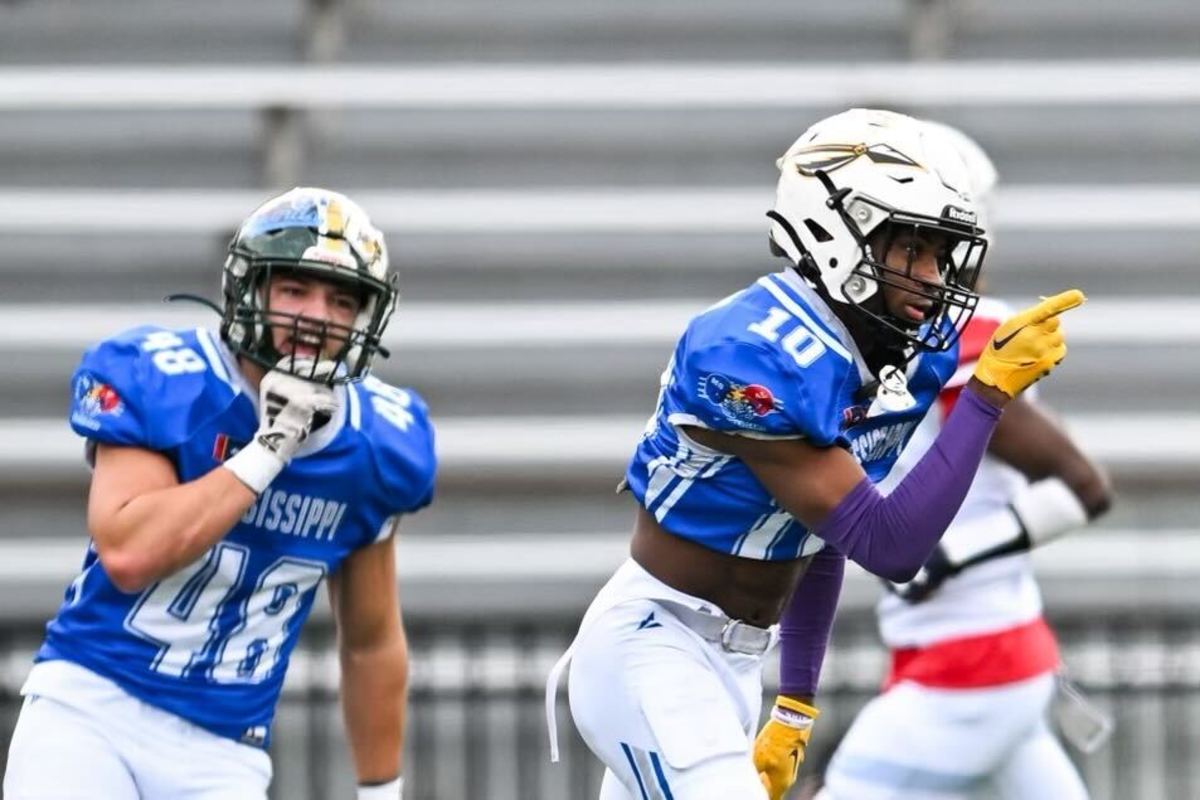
(248, 321)
(952, 300)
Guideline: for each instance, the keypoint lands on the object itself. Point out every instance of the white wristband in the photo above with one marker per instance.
(392, 790)
(1048, 509)
(791, 718)
(255, 466)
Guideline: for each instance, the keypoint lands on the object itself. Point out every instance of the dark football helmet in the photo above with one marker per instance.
(314, 233)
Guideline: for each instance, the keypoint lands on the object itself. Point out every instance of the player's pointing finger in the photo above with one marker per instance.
(1063, 301)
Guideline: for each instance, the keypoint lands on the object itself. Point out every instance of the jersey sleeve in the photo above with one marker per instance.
(106, 395)
(402, 439)
(751, 389)
(138, 389)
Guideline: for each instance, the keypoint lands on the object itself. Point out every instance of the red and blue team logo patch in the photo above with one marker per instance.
(744, 403)
(94, 398)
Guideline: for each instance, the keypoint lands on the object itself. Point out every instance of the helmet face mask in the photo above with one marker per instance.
(307, 233)
(951, 300)
(851, 186)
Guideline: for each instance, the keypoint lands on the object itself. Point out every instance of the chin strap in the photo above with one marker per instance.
(806, 267)
(183, 297)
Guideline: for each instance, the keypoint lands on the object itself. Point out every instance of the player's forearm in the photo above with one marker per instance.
(893, 536)
(806, 624)
(158, 533)
(374, 699)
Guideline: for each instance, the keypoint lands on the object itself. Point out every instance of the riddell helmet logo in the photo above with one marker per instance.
(830, 157)
(959, 215)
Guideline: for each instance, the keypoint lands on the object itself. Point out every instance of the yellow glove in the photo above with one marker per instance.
(1027, 346)
(779, 748)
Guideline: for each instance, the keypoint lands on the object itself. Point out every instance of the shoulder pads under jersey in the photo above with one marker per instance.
(400, 437)
(738, 385)
(145, 387)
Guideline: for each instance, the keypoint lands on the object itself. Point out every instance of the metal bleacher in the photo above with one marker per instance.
(562, 184)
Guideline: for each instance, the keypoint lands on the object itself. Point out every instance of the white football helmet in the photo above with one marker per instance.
(850, 174)
(982, 176)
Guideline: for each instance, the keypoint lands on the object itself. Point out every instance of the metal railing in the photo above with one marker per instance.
(283, 95)
(645, 85)
(503, 449)
(481, 325)
(476, 727)
(546, 577)
(617, 210)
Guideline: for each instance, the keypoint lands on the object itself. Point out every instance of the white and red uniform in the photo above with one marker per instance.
(972, 667)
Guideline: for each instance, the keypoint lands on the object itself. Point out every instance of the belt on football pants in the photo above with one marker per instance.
(732, 635)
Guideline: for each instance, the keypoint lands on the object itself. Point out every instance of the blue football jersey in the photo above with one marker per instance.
(773, 362)
(211, 642)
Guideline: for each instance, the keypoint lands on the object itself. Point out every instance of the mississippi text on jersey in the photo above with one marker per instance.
(211, 642)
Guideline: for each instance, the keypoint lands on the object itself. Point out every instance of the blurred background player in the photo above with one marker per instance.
(781, 408)
(232, 474)
(973, 662)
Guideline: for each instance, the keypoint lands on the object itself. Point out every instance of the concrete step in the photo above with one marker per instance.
(540, 576)
(573, 357)
(275, 30)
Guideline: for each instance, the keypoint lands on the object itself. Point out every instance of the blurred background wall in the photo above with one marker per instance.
(562, 184)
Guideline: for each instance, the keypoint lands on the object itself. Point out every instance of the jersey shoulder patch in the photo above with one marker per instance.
(146, 387)
(396, 424)
(756, 368)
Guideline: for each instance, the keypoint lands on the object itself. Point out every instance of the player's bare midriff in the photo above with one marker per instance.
(744, 588)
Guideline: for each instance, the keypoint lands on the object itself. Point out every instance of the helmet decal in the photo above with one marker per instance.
(831, 157)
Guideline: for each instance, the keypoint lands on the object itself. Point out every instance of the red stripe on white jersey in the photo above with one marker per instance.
(971, 662)
(971, 344)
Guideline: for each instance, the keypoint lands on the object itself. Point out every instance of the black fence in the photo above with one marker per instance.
(476, 728)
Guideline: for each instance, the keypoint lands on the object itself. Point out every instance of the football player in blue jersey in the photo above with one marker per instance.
(780, 409)
(231, 474)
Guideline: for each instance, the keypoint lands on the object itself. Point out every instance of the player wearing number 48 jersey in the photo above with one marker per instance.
(233, 472)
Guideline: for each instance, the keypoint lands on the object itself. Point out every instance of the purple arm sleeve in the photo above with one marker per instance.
(893, 536)
(807, 620)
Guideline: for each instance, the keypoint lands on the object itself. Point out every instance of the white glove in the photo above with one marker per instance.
(289, 409)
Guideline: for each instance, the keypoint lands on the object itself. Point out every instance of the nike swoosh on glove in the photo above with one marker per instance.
(1027, 346)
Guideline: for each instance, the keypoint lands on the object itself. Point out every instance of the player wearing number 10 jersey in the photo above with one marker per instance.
(755, 480)
(232, 473)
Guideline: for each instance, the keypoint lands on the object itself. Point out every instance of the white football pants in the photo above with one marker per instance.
(919, 743)
(669, 714)
(108, 744)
